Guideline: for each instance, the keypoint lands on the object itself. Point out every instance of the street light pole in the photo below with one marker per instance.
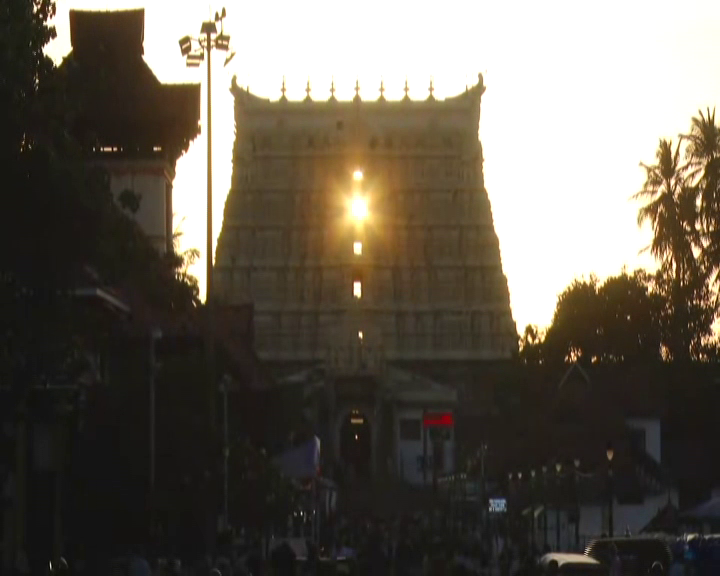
(577, 504)
(155, 335)
(226, 456)
(194, 50)
(545, 504)
(610, 453)
(558, 470)
(532, 511)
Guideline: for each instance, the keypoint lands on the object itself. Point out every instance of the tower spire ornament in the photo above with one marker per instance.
(307, 91)
(431, 89)
(357, 90)
(382, 90)
(283, 89)
(332, 88)
(406, 90)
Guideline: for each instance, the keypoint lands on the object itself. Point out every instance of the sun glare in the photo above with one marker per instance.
(358, 208)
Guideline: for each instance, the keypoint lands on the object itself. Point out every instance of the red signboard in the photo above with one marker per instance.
(438, 420)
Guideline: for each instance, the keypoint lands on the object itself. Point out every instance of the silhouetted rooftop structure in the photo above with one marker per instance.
(121, 31)
(123, 109)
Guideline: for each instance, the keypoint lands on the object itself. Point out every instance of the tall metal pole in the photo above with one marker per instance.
(154, 336)
(425, 454)
(209, 293)
(545, 505)
(226, 456)
(577, 510)
(209, 239)
(611, 498)
(532, 512)
(557, 516)
(483, 503)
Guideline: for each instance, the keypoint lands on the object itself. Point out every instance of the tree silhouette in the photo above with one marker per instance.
(614, 321)
(670, 209)
(682, 204)
(703, 166)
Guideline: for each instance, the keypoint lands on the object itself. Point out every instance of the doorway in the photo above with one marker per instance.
(356, 445)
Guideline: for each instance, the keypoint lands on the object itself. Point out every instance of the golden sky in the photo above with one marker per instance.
(578, 93)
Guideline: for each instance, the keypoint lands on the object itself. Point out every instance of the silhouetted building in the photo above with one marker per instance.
(130, 122)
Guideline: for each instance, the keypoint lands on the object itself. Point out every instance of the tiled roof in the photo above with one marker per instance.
(123, 30)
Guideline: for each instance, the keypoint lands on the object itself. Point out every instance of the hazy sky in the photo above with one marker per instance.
(578, 93)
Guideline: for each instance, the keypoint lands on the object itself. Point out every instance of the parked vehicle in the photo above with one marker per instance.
(637, 554)
(571, 565)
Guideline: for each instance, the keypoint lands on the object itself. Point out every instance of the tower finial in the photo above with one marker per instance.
(332, 88)
(307, 91)
(283, 90)
(431, 89)
(406, 89)
(382, 89)
(357, 90)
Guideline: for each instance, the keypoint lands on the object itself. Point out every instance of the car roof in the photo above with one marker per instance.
(567, 558)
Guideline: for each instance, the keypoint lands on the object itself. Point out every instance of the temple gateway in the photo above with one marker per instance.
(362, 233)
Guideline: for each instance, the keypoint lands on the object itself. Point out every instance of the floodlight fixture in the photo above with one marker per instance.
(185, 45)
(194, 59)
(208, 28)
(222, 42)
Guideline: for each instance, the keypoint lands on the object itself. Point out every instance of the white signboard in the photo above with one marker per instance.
(497, 505)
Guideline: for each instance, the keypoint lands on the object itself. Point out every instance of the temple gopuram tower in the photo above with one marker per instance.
(425, 257)
(361, 231)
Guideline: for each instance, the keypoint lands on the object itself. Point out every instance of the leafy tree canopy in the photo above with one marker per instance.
(612, 321)
(628, 317)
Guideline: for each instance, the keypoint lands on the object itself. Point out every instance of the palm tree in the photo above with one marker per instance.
(671, 209)
(703, 168)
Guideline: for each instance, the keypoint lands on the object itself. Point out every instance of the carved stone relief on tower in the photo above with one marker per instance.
(286, 207)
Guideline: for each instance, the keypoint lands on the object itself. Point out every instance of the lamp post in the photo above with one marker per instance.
(545, 518)
(558, 470)
(483, 499)
(519, 509)
(532, 511)
(510, 508)
(577, 505)
(194, 50)
(610, 453)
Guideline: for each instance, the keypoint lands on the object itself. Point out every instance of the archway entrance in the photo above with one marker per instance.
(356, 445)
